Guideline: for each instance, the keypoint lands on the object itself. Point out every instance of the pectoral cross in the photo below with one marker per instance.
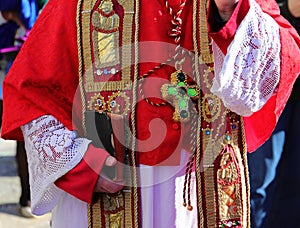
(179, 92)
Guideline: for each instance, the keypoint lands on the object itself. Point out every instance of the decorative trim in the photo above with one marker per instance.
(211, 107)
(205, 153)
(99, 215)
(212, 142)
(108, 86)
(245, 176)
(136, 197)
(199, 149)
(206, 55)
(125, 82)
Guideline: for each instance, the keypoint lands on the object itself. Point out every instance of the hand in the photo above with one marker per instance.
(226, 8)
(104, 184)
(294, 7)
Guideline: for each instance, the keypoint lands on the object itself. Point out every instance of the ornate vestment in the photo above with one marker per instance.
(129, 67)
(126, 60)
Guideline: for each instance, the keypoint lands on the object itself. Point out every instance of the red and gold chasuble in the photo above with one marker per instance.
(131, 65)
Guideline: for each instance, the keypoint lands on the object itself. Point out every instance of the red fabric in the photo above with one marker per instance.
(44, 80)
(38, 82)
(260, 125)
(48, 62)
(224, 37)
(159, 137)
(81, 180)
(151, 150)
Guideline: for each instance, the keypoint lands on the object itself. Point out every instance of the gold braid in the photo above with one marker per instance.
(133, 117)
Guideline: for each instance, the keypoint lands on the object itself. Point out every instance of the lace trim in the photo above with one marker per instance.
(52, 151)
(252, 70)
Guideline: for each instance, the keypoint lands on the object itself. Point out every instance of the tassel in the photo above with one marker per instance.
(187, 184)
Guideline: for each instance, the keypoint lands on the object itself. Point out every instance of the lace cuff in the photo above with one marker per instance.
(52, 151)
(249, 73)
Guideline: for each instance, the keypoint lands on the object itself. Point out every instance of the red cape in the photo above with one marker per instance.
(48, 62)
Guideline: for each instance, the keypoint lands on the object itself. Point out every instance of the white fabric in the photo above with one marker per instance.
(162, 196)
(251, 68)
(52, 151)
(70, 212)
(184, 217)
(67, 211)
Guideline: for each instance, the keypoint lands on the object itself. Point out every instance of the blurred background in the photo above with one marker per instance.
(16, 20)
(10, 190)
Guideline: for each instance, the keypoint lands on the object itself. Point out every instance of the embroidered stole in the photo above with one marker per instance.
(108, 81)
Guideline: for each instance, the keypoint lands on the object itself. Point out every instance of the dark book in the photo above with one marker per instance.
(106, 131)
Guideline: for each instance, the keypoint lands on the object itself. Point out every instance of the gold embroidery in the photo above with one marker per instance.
(229, 191)
(244, 176)
(130, 7)
(117, 102)
(108, 86)
(113, 205)
(211, 107)
(94, 211)
(115, 107)
(106, 35)
(206, 76)
(112, 38)
(115, 220)
(91, 85)
(206, 55)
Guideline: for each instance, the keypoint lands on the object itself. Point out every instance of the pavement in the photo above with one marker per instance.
(10, 190)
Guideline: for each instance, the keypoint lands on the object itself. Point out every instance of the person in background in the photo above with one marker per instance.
(274, 168)
(16, 20)
(188, 82)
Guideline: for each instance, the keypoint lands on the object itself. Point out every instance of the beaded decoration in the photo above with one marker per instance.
(179, 92)
(177, 96)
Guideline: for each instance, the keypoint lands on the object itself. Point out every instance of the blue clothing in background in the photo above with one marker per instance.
(7, 34)
(274, 172)
(274, 169)
(8, 5)
(28, 10)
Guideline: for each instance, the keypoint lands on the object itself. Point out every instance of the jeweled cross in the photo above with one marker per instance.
(179, 92)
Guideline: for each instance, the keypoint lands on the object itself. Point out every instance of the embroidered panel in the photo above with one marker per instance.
(108, 84)
(106, 33)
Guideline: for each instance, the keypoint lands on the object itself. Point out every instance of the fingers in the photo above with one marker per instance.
(108, 186)
(104, 184)
(110, 161)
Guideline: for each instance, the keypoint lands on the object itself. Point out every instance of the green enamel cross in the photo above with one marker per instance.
(179, 92)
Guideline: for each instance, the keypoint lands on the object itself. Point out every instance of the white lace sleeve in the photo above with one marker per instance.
(249, 73)
(52, 150)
